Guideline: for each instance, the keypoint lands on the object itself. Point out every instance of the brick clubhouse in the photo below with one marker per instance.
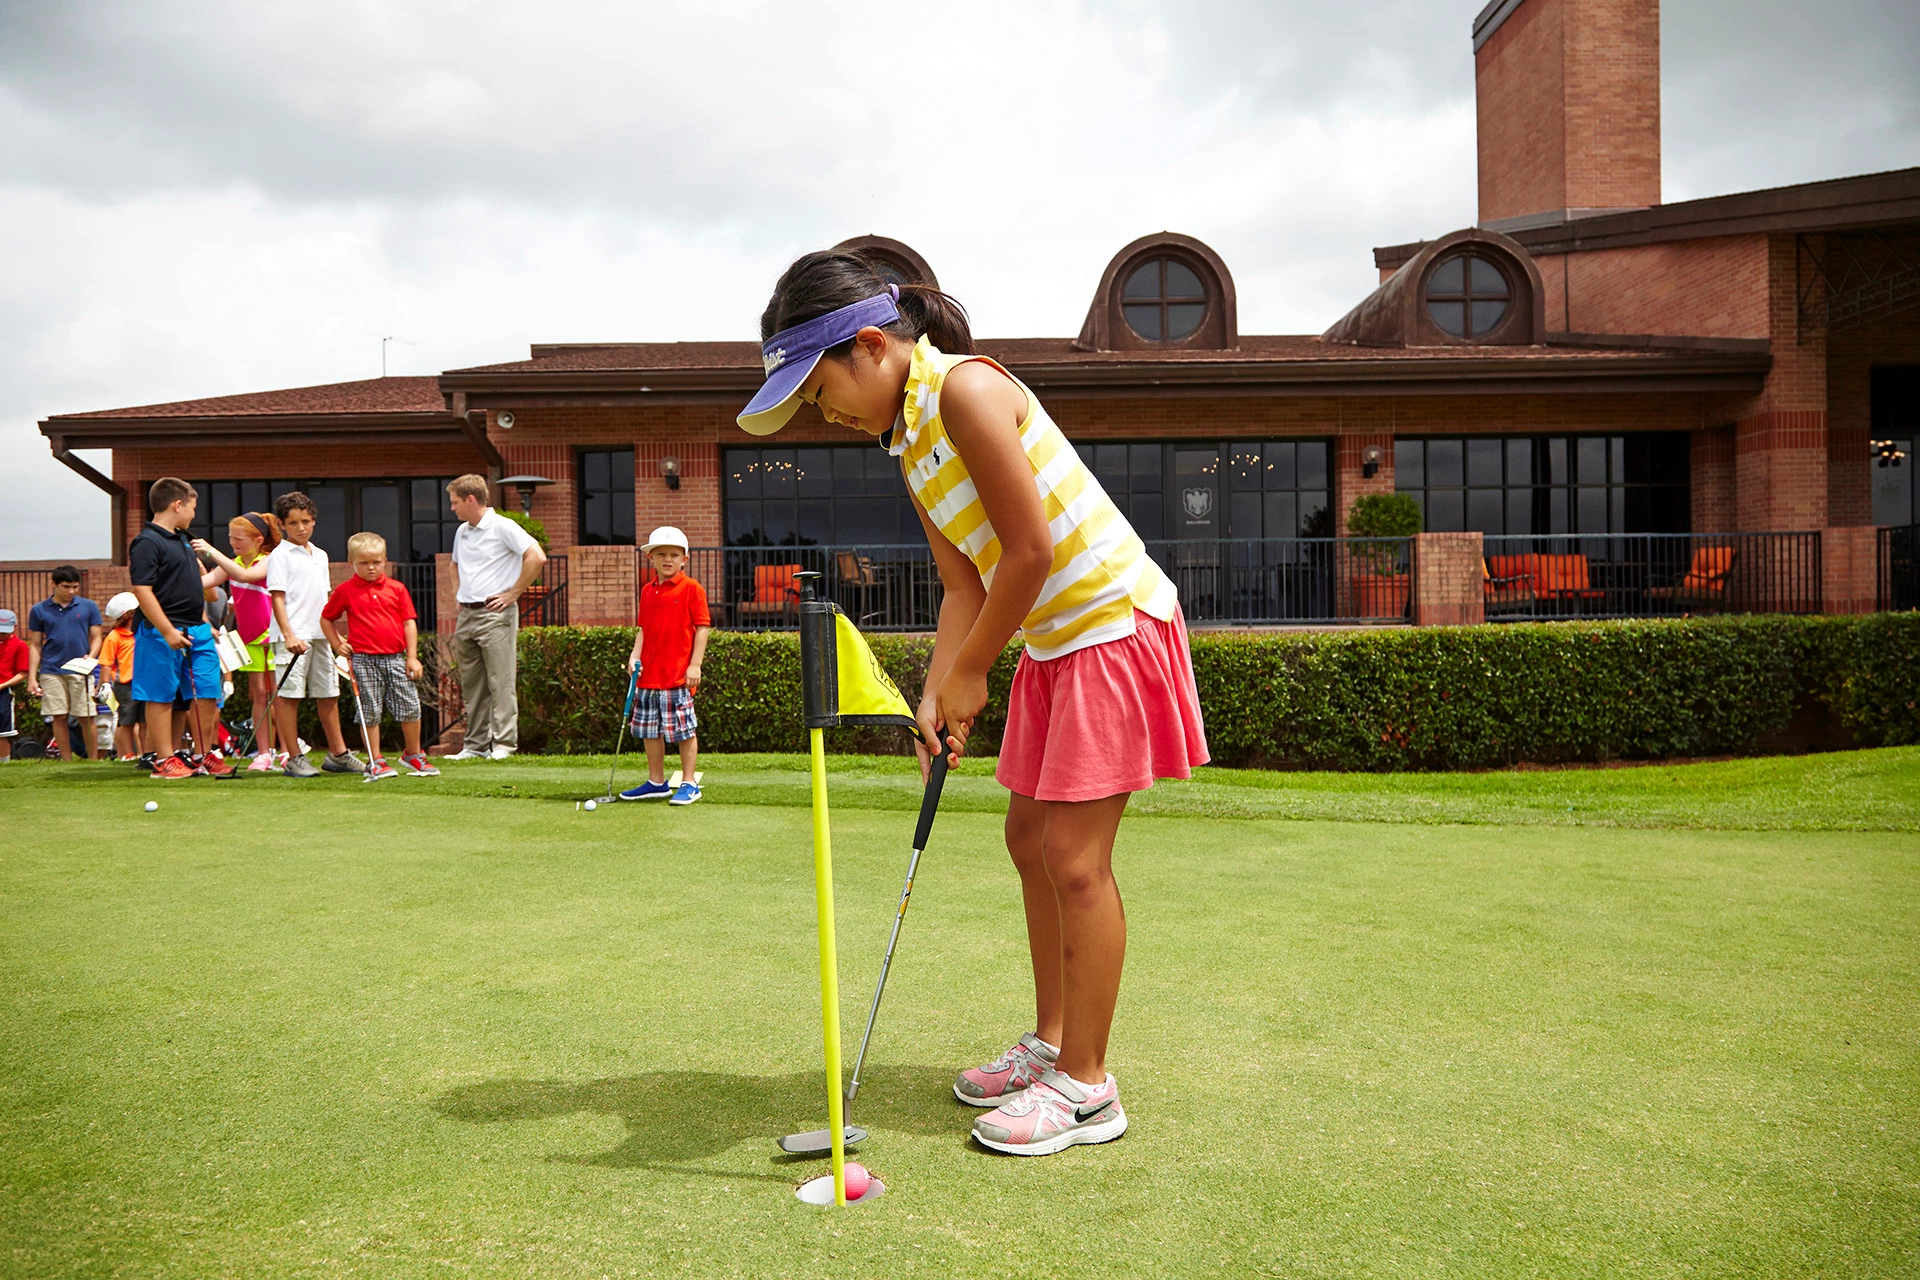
(1584, 362)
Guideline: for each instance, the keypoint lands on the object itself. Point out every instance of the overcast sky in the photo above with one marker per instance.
(205, 198)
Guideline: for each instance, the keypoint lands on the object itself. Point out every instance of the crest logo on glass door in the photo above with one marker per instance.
(1198, 502)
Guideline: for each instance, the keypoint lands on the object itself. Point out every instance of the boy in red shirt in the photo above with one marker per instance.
(381, 639)
(16, 658)
(667, 651)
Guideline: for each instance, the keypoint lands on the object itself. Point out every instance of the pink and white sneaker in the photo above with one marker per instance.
(1008, 1075)
(262, 763)
(1055, 1113)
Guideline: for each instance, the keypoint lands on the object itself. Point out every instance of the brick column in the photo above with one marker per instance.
(100, 583)
(1848, 569)
(1447, 575)
(600, 586)
(444, 603)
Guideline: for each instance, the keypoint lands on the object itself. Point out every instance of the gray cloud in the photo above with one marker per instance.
(218, 196)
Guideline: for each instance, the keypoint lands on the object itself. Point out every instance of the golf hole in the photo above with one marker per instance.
(819, 1191)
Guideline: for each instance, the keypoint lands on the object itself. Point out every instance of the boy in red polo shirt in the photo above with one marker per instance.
(665, 662)
(381, 640)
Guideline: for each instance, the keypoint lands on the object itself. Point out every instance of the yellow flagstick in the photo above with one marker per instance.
(829, 967)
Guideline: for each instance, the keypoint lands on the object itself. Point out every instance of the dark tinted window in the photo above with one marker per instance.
(605, 497)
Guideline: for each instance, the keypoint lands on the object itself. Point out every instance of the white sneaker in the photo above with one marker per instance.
(466, 753)
(501, 753)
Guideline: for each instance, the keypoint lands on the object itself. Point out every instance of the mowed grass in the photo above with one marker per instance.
(1657, 1021)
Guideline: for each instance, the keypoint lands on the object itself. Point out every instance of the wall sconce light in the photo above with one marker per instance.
(1887, 453)
(1370, 461)
(526, 485)
(670, 468)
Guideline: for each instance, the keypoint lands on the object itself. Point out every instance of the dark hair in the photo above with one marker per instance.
(828, 280)
(65, 573)
(166, 491)
(293, 500)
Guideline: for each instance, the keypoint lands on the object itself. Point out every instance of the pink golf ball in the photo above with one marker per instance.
(857, 1179)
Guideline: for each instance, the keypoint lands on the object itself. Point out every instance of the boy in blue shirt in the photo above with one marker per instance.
(61, 628)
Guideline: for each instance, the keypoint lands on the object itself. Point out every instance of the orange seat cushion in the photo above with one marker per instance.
(774, 583)
(1556, 574)
(1709, 569)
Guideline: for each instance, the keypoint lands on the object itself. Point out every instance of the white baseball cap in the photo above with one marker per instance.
(665, 536)
(122, 604)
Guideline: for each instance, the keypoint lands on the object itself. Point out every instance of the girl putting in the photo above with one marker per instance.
(1103, 699)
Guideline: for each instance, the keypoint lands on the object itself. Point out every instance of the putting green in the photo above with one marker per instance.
(428, 1027)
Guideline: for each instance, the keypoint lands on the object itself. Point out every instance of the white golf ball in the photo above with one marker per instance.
(152, 805)
(592, 805)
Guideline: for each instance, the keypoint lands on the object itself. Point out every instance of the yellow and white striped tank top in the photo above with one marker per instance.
(1101, 571)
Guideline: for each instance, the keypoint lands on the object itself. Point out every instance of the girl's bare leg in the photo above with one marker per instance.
(1026, 832)
(1076, 925)
(261, 683)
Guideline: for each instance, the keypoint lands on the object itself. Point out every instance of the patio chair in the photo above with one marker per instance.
(776, 597)
(860, 587)
(1704, 584)
(1508, 591)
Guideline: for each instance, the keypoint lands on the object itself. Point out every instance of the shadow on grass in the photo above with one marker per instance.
(677, 1117)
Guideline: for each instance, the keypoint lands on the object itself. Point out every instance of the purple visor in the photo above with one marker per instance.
(789, 356)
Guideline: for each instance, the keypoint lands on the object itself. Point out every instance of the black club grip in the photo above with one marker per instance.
(930, 802)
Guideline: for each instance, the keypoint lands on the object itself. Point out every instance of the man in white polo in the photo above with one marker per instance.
(494, 560)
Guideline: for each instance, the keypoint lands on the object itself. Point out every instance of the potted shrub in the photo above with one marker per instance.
(537, 530)
(1381, 586)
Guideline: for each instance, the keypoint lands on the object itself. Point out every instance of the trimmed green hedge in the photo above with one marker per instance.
(1438, 698)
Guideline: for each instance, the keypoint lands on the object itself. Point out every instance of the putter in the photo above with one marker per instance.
(817, 1142)
(344, 666)
(252, 724)
(626, 713)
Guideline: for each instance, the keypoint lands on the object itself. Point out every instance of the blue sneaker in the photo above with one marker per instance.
(687, 794)
(648, 791)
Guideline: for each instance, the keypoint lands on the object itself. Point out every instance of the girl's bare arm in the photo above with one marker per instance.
(982, 409)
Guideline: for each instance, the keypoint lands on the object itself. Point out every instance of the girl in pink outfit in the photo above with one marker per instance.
(1103, 700)
(253, 536)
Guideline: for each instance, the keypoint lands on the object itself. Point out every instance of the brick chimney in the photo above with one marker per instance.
(1568, 97)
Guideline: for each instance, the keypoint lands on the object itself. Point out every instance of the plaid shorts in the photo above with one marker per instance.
(384, 687)
(663, 713)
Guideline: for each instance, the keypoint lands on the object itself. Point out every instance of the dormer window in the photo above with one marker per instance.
(1468, 296)
(1164, 300)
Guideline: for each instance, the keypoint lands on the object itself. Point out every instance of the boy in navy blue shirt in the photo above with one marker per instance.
(61, 628)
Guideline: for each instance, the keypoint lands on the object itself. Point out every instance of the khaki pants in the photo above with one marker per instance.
(484, 649)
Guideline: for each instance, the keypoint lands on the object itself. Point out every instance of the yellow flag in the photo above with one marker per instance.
(866, 693)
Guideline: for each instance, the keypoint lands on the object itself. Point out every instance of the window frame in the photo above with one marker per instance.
(1162, 300)
(1465, 296)
(612, 493)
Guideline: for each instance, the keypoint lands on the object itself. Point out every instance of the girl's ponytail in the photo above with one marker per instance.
(926, 310)
(818, 283)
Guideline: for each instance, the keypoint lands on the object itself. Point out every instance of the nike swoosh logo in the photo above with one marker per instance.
(1084, 1114)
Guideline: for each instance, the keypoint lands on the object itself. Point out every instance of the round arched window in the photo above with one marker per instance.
(1468, 296)
(1163, 300)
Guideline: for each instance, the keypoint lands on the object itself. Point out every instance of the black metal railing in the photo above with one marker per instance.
(896, 587)
(1650, 575)
(544, 603)
(1272, 581)
(1897, 568)
(418, 577)
(882, 587)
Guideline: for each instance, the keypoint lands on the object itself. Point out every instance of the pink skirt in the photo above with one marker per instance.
(1106, 719)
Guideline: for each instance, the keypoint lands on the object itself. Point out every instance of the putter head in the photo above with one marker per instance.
(819, 1142)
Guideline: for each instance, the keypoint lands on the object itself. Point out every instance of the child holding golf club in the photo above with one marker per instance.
(254, 536)
(382, 642)
(298, 582)
(1103, 700)
(668, 648)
